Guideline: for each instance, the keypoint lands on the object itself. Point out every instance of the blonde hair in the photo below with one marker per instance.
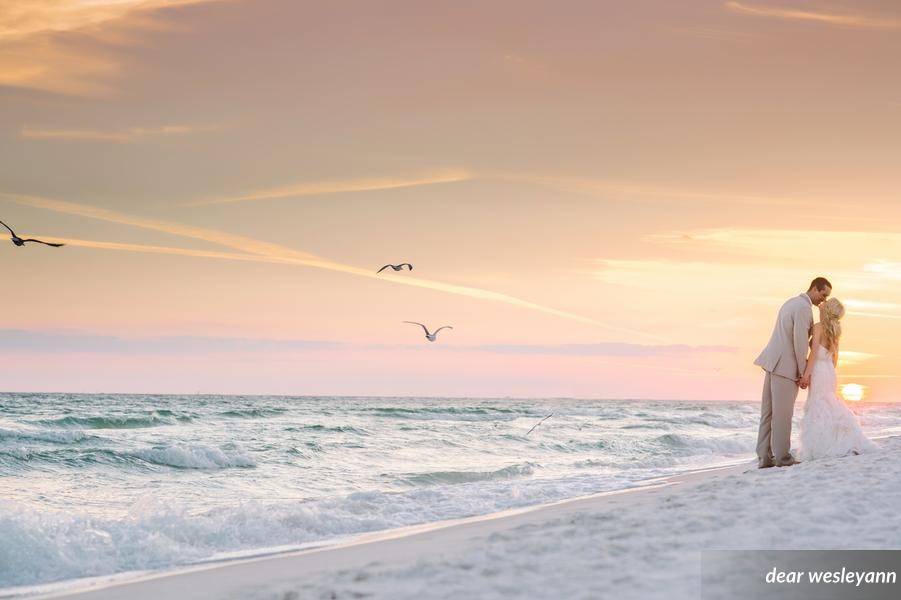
(833, 311)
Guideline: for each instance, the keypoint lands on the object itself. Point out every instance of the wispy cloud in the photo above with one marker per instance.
(696, 277)
(65, 342)
(735, 263)
(44, 342)
(756, 240)
(851, 357)
(131, 134)
(341, 186)
(855, 303)
(49, 65)
(647, 192)
(847, 250)
(872, 315)
(29, 17)
(269, 252)
(852, 20)
(884, 268)
(58, 45)
(603, 349)
(710, 33)
(700, 279)
(872, 309)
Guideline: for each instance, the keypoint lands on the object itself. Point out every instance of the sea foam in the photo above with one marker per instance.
(102, 484)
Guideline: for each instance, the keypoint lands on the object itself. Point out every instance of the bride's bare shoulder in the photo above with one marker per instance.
(816, 332)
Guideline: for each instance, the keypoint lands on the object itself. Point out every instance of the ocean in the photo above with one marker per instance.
(94, 484)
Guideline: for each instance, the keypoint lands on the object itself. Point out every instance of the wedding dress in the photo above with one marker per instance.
(828, 427)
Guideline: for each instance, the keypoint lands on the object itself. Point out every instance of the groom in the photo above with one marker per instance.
(784, 360)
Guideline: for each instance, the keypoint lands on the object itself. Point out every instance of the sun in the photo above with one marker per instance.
(852, 392)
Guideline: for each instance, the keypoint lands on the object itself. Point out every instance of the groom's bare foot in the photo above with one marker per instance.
(789, 463)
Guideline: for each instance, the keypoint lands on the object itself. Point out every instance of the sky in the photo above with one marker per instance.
(604, 199)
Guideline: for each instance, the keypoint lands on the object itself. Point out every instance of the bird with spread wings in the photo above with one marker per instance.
(399, 267)
(429, 336)
(21, 242)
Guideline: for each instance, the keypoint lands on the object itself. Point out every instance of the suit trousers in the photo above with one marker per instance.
(776, 410)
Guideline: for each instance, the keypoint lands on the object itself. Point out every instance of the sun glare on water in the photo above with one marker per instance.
(852, 392)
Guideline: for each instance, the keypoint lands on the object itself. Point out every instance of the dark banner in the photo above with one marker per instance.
(800, 574)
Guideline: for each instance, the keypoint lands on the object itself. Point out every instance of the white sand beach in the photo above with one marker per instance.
(640, 543)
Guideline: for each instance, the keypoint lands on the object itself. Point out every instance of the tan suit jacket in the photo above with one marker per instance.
(786, 353)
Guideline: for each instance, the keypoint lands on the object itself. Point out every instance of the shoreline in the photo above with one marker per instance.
(221, 578)
(638, 543)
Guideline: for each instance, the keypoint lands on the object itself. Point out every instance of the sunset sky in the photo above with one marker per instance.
(605, 199)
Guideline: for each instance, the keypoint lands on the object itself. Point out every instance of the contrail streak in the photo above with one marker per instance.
(258, 251)
(237, 242)
(336, 187)
(151, 249)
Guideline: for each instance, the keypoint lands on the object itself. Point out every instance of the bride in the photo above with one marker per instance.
(828, 427)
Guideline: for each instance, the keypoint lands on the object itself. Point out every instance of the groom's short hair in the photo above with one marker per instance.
(819, 283)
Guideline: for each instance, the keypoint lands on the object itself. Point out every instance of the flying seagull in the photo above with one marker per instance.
(429, 336)
(399, 267)
(20, 242)
(539, 423)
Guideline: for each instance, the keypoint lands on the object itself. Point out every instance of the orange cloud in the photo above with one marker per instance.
(842, 20)
(29, 17)
(43, 63)
(49, 44)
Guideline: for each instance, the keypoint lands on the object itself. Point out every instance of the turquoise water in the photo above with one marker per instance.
(99, 484)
